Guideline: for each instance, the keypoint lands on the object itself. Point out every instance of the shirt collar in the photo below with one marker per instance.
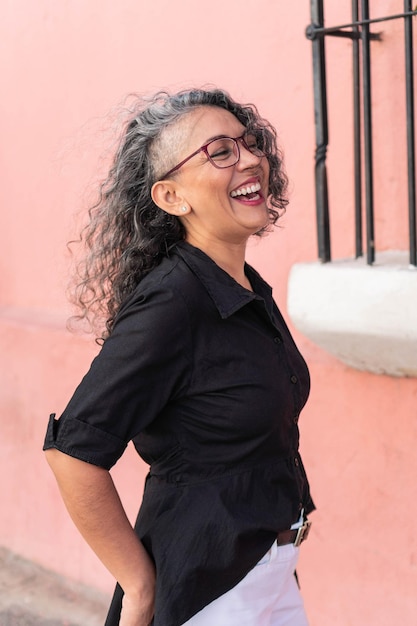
(226, 293)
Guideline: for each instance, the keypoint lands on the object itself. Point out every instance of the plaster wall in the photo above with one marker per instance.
(64, 66)
(364, 315)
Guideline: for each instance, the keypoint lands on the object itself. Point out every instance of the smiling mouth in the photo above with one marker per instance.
(251, 192)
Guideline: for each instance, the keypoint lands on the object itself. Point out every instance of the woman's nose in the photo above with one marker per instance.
(247, 158)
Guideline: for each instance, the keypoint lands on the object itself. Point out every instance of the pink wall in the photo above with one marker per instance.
(63, 67)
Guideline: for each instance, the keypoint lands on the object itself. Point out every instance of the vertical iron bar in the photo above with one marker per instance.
(409, 82)
(357, 134)
(367, 127)
(322, 136)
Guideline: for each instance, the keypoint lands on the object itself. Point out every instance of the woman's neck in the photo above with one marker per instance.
(230, 257)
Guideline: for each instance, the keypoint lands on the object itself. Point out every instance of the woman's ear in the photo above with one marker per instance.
(165, 195)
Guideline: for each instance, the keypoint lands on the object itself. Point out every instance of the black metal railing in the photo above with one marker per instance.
(359, 32)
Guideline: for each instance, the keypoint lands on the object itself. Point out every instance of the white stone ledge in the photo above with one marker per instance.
(364, 315)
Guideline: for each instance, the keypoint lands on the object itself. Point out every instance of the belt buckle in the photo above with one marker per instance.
(302, 533)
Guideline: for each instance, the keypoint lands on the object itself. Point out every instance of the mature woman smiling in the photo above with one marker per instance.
(197, 368)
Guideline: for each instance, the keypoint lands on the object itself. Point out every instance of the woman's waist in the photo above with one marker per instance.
(182, 470)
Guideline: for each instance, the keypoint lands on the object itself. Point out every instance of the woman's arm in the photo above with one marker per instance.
(95, 507)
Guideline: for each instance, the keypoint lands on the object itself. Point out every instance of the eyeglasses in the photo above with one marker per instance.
(224, 152)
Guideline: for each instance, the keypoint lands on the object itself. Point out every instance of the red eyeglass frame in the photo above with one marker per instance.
(204, 149)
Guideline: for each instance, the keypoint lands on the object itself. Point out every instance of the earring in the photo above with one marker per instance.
(184, 209)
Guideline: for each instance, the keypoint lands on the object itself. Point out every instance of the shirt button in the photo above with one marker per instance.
(293, 379)
(277, 339)
(296, 463)
(296, 419)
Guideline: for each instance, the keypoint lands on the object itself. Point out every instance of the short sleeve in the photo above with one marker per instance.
(142, 366)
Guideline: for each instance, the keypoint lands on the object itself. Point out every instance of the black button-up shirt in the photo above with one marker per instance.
(204, 377)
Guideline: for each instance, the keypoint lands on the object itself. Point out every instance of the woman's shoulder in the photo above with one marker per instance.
(171, 282)
(173, 274)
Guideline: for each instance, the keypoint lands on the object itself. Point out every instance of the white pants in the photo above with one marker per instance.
(267, 596)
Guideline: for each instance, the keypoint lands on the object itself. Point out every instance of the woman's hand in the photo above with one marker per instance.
(137, 612)
(138, 601)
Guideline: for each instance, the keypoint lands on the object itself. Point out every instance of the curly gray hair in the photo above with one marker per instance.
(128, 235)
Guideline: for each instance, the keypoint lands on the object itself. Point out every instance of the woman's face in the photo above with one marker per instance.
(218, 211)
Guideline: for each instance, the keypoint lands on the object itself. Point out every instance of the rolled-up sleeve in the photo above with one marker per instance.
(83, 441)
(142, 366)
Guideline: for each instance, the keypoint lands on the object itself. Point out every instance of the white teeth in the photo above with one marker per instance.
(245, 190)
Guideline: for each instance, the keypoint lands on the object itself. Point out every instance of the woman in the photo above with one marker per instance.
(197, 368)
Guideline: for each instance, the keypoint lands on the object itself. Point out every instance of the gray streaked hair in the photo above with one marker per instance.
(127, 234)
